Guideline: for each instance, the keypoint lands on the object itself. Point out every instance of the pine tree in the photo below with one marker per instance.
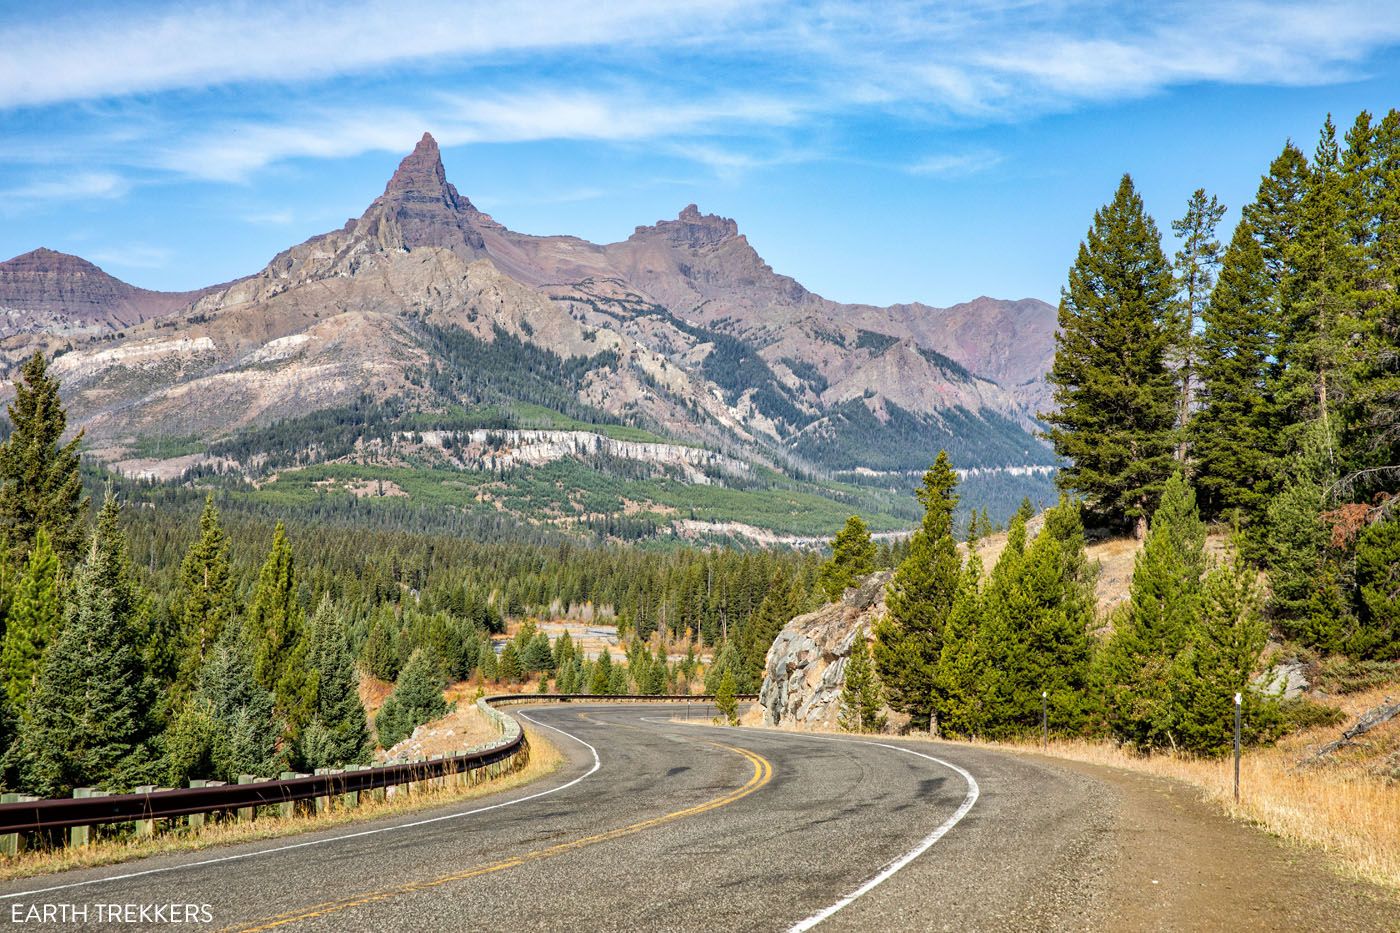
(32, 624)
(1315, 293)
(228, 726)
(853, 555)
(417, 698)
(1196, 264)
(909, 638)
(1275, 213)
(1378, 583)
(338, 733)
(1303, 574)
(961, 668)
(40, 486)
(1234, 434)
(204, 601)
(508, 666)
(1116, 397)
(487, 664)
(1223, 652)
(601, 675)
(725, 700)
(275, 627)
(1152, 630)
(861, 701)
(380, 654)
(89, 718)
(618, 681)
(777, 609)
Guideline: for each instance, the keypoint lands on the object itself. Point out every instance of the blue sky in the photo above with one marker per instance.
(883, 152)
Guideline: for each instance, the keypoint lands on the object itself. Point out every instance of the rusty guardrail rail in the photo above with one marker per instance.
(66, 813)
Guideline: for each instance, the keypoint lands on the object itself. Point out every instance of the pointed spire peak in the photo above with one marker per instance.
(421, 173)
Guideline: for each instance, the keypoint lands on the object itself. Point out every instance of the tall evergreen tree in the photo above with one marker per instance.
(1304, 575)
(228, 726)
(1276, 212)
(779, 606)
(909, 638)
(725, 699)
(39, 482)
(508, 666)
(1378, 582)
(1234, 432)
(204, 600)
(861, 699)
(1223, 649)
(32, 623)
(417, 698)
(961, 668)
(853, 555)
(1116, 397)
(1196, 265)
(275, 626)
(338, 733)
(1151, 631)
(89, 718)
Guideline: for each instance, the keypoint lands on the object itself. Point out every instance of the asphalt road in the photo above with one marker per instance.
(657, 825)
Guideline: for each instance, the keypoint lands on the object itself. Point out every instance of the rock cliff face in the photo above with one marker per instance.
(806, 666)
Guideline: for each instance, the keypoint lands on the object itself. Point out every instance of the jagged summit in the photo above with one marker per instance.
(419, 207)
(691, 228)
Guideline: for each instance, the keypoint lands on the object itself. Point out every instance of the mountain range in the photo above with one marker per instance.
(425, 333)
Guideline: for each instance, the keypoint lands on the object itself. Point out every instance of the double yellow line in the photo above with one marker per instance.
(762, 774)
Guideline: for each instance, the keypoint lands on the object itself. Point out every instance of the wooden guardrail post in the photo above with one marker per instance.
(246, 814)
(12, 844)
(82, 835)
(321, 804)
(195, 821)
(287, 808)
(351, 798)
(145, 828)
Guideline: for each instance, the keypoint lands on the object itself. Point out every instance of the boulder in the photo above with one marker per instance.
(806, 666)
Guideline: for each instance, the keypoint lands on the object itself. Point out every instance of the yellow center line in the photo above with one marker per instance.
(762, 774)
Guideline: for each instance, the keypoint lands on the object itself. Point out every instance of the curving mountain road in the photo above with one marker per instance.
(657, 825)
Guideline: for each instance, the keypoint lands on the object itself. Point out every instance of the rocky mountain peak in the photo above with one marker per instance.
(420, 176)
(692, 229)
(419, 207)
(50, 262)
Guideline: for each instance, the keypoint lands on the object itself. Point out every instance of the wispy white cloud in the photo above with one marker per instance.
(232, 152)
(955, 165)
(77, 186)
(86, 55)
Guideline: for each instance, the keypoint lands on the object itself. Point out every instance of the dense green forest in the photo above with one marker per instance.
(157, 637)
(1255, 385)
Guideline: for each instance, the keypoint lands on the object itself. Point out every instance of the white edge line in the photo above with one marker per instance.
(597, 763)
(924, 844)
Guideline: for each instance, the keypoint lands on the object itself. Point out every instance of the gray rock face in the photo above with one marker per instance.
(806, 666)
(1285, 681)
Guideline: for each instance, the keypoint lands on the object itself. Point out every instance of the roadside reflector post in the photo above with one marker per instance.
(1239, 700)
(1045, 720)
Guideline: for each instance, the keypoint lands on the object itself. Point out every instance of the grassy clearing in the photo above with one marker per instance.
(544, 760)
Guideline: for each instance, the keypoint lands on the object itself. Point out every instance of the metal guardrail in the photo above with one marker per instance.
(65, 813)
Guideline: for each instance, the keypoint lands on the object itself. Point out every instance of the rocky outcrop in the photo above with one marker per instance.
(806, 666)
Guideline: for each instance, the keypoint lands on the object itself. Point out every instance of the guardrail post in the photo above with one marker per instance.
(287, 808)
(439, 782)
(12, 844)
(81, 835)
(195, 821)
(351, 798)
(246, 814)
(322, 804)
(145, 827)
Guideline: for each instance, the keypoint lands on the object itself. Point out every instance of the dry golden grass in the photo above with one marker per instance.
(544, 759)
(1346, 807)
